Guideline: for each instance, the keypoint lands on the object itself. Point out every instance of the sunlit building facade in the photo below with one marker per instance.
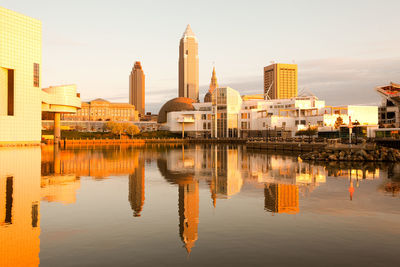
(280, 81)
(20, 78)
(103, 110)
(189, 65)
(230, 116)
(137, 88)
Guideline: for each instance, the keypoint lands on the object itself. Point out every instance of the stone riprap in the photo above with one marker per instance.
(376, 154)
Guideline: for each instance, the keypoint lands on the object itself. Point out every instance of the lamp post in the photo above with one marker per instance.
(350, 130)
(309, 132)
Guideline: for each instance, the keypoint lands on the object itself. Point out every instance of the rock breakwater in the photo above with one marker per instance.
(376, 154)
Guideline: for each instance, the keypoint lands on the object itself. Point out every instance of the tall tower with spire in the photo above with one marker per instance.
(137, 88)
(213, 86)
(189, 65)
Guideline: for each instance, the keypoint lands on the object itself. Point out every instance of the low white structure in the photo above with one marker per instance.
(230, 116)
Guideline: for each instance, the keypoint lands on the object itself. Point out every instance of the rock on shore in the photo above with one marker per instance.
(377, 154)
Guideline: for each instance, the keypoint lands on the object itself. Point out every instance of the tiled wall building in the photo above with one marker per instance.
(20, 78)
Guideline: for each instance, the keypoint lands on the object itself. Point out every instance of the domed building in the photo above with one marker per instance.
(176, 104)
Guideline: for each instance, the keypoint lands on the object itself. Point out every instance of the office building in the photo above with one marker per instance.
(137, 88)
(189, 66)
(103, 110)
(21, 98)
(280, 81)
(389, 110)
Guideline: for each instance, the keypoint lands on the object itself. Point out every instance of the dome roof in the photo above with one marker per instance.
(176, 104)
(208, 97)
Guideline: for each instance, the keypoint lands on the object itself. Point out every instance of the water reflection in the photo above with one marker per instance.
(31, 175)
(19, 207)
(136, 188)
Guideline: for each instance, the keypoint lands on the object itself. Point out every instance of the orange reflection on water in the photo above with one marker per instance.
(19, 207)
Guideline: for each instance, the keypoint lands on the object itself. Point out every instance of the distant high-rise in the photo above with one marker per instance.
(213, 86)
(136, 88)
(280, 81)
(189, 65)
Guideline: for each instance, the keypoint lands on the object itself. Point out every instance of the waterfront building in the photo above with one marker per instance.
(228, 115)
(103, 110)
(20, 78)
(189, 65)
(280, 81)
(137, 88)
(213, 86)
(389, 110)
(21, 98)
(58, 101)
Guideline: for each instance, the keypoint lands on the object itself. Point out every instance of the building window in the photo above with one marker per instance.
(6, 92)
(204, 126)
(203, 116)
(36, 74)
(9, 200)
(35, 214)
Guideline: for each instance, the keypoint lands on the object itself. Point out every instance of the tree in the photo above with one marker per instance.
(338, 122)
(309, 132)
(132, 130)
(119, 128)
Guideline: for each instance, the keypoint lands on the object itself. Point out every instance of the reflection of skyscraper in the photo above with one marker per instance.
(189, 65)
(136, 189)
(19, 207)
(188, 213)
(281, 198)
(226, 176)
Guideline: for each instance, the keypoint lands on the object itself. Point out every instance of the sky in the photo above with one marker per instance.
(344, 49)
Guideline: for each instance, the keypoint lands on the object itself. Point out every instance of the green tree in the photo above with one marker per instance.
(338, 122)
(309, 132)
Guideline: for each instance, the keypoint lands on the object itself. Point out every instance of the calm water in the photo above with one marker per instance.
(194, 206)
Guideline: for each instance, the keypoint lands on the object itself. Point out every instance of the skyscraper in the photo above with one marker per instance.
(136, 88)
(280, 81)
(189, 65)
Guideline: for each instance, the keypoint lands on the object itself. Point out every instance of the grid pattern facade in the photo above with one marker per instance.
(20, 70)
(189, 68)
(137, 88)
(280, 81)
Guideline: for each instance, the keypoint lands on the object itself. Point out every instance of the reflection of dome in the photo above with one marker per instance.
(174, 177)
(176, 104)
(207, 97)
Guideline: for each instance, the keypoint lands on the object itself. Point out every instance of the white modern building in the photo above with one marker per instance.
(229, 115)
